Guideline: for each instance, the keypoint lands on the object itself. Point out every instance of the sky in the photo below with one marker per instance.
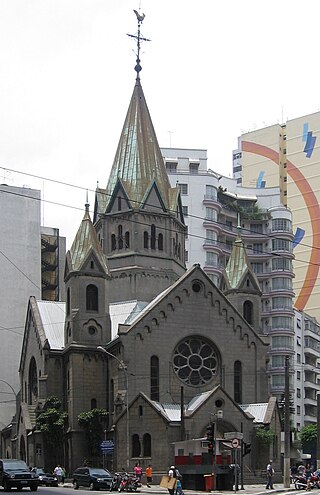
(212, 70)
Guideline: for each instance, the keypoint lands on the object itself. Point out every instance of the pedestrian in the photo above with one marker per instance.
(63, 477)
(172, 474)
(179, 490)
(149, 475)
(270, 473)
(138, 471)
(58, 472)
(308, 476)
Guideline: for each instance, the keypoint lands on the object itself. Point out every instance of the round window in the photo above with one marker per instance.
(195, 361)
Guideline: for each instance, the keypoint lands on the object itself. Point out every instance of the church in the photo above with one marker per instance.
(163, 350)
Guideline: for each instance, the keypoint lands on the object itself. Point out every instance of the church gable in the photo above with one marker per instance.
(119, 200)
(249, 283)
(153, 200)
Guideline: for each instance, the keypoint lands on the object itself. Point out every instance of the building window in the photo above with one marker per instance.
(93, 404)
(211, 259)
(257, 267)
(120, 238)
(283, 322)
(211, 237)
(298, 410)
(195, 361)
(256, 228)
(145, 240)
(281, 224)
(282, 342)
(68, 302)
(127, 239)
(238, 382)
(171, 167)
(154, 378)
(298, 375)
(146, 445)
(186, 255)
(211, 214)
(257, 248)
(136, 447)
(281, 245)
(193, 168)
(153, 237)
(298, 358)
(160, 242)
(140, 411)
(281, 303)
(119, 203)
(183, 189)
(281, 283)
(113, 242)
(281, 264)
(92, 298)
(248, 311)
(211, 192)
(298, 393)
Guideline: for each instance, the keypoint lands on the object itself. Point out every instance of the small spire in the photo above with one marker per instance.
(239, 228)
(87, 202)
(139, 39)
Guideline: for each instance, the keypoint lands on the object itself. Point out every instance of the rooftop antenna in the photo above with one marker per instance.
(138, 39)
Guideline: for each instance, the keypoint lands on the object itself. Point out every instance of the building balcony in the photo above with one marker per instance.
(310, 402)
(312, 351)
(212, 201)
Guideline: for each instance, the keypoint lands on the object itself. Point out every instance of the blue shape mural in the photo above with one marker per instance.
(259, 183)
(309, 140)
(298, 236)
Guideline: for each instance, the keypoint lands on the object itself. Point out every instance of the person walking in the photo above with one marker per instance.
(149, 475)
(172, 473)
(138, 471)
(270, 473)
(58, 472)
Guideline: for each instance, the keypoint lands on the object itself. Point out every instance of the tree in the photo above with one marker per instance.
(93, 424)
(264, 436)
(308, 434)
(51, 421)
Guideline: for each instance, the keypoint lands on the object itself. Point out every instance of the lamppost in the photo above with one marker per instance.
(124, 369)
(14, 428)
(12, 389)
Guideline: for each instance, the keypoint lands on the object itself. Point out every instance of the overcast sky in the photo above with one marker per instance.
(213, 70)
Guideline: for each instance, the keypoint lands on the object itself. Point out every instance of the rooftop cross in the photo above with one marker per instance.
(139, 39)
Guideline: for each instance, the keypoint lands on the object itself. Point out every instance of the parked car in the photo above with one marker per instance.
(94, 478)
(15, 473)
(45, 478)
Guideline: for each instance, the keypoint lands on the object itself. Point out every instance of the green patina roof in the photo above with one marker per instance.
(85, 242)
(138, 161)
(238, 264)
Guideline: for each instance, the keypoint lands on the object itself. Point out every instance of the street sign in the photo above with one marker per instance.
(235, 443)
(107, 447)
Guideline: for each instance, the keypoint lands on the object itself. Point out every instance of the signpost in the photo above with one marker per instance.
(107, 447)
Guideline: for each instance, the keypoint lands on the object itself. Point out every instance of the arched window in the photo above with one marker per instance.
(145, 240)
(237, 381)
(113, 242)
(153, 237)
(68, 302)
(92, 298)
(33, 382)
(248, 311)
(120, 238)
(93, 404)
(127, 239)
(160, 242)
(146, 445)
(136, 447)
(154, 378)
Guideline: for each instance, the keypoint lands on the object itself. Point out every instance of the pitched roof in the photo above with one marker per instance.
(52, 316)
(85, 242)
(238, 265)
(138, 161)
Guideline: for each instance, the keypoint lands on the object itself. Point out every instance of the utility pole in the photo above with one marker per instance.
(286, 464)
(318, 431)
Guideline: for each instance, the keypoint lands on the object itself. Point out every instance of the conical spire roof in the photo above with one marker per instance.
(238, 265)
(85, 242)
(138, 161)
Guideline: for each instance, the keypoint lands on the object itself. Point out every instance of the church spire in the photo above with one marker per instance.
(138, 39)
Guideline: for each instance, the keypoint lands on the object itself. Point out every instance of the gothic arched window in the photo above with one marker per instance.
(92, 298)
(127, 239)
(160, 242)
(120, 238)
(136, 447)
(237, 370)
(33, 382)
(146, 445)
(93, 404)
(154, 378)
(68, 302)
(248, 311)
(153, 237)
(145, 240)
(113, 242)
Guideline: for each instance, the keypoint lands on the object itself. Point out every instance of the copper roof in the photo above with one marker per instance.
(138, 161)
(238, 264)
(85, 241)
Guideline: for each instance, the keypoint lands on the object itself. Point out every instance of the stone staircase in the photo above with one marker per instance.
(32, 415)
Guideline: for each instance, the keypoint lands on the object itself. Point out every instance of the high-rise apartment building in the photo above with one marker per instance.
(288, 156)
(32, 261)
(216, 209)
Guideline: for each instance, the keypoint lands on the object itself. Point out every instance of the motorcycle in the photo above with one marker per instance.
(116, 480)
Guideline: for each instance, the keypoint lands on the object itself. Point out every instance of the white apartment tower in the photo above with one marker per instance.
(216, 208)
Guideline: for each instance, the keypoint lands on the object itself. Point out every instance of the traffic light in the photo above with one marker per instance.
(210, 438)
(246, 448)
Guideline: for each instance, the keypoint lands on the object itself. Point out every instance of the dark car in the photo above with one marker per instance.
(15, 473)
(94, 478)
(45, 478)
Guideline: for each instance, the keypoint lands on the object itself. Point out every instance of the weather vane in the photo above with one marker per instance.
(139, 39)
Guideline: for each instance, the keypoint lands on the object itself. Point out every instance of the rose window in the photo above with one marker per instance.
(195, 361)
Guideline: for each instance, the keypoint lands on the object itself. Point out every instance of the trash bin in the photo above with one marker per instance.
(209, 482)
